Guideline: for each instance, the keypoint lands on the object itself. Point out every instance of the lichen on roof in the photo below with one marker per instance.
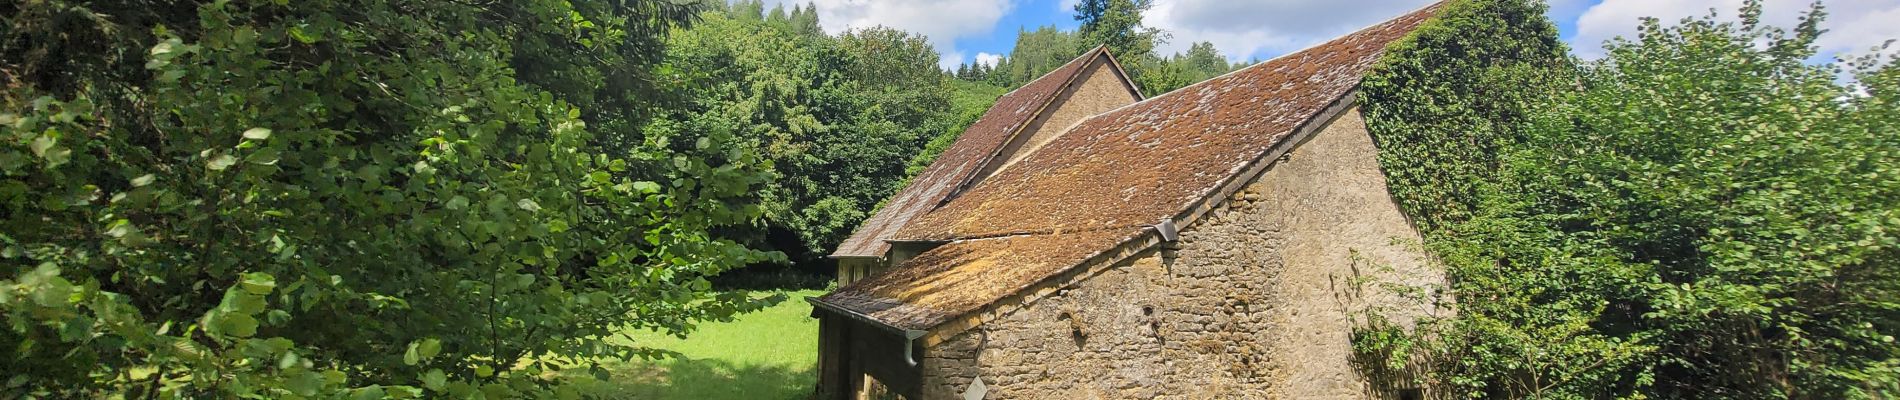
(958, 278)
(1141, 164)
(963, 159)
(1108, 179)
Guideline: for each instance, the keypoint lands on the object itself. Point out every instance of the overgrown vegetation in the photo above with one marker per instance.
(838, 117)
(350, 197)
(1702, 213)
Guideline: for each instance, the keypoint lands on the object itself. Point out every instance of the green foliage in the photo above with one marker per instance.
(1449, 99)
(1201, 62)
(1116, 24)
(837, 117)
(968, 101)
(1699, 214)
(1036, 53)
(348, 198)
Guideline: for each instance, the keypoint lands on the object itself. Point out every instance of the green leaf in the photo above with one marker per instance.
(410, 356)
(41, 144)
(646, 187)
(237, 325)
(143, 180)
(264, 156)
(220, 162)
(289, 360)
(257, 134)
(305, 36)
(528, 204)
(258, 283)
(429, 348)
(305, 383)
(434, 379)
(457, 203)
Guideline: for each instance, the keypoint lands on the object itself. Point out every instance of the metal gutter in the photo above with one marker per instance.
(910, 335)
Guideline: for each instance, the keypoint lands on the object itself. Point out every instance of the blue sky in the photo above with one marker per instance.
(964, 30)
(1029, 14)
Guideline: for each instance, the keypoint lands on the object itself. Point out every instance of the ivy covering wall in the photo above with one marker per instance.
(1705, 212)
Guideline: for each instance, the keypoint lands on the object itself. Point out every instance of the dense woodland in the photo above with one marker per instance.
(385, 198)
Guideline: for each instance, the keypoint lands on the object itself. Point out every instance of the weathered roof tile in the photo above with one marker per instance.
(1141, 164)
(958, 278)
(1100, 184)
(962, 160)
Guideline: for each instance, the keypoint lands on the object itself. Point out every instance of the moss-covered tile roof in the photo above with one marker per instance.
(1109, 180)
(1152, 161)
(966, 156)
(961, 277)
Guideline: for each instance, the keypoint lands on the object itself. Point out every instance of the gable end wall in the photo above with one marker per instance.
(1098, 90)
(1252, 304)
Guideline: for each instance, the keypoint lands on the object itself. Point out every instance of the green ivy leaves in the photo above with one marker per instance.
(1626, 227)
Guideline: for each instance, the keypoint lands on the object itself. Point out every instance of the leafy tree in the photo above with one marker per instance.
(838, 117)
(1204, 61)
(1200, 63)
(1699, 214)
(805, 20)
(1117, 25)
(365, 198)
(1036, 53)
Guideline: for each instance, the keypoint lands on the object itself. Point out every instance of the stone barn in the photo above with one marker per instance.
(1080, 241)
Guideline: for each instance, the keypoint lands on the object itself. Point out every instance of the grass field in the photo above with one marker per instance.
(766, 355)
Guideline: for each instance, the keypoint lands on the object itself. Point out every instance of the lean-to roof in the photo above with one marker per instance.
(961, 277)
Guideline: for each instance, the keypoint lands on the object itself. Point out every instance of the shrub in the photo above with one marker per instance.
(1702, 213)
(367, 197)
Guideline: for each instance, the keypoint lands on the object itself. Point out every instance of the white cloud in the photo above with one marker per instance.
(988, 59)
(1242, 29)
(942, 21)
(1854, 26)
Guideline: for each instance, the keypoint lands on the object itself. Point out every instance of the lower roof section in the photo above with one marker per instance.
(964, 276)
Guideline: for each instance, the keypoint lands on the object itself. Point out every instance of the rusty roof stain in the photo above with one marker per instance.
(1151, 161)
(958, 278)
(960, 162)
(1105, 181)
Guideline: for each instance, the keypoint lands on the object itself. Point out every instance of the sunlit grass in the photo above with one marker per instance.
(767, 354)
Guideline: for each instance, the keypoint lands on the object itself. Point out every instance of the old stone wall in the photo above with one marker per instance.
(1252, 303)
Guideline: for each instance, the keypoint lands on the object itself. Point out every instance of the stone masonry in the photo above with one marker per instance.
(1252, 302)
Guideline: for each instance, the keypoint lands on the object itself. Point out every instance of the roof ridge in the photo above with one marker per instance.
(958, 166)
(1066, 209)
(1308, 47)
(1291, 96)
(1085, 59)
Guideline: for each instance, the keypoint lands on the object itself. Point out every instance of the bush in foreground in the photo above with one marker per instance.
(346, 197)
(1702, 213)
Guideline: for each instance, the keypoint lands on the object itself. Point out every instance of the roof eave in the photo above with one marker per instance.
(821, 304)
(851, 256)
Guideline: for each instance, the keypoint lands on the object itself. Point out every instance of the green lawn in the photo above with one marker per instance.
(767, 355)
